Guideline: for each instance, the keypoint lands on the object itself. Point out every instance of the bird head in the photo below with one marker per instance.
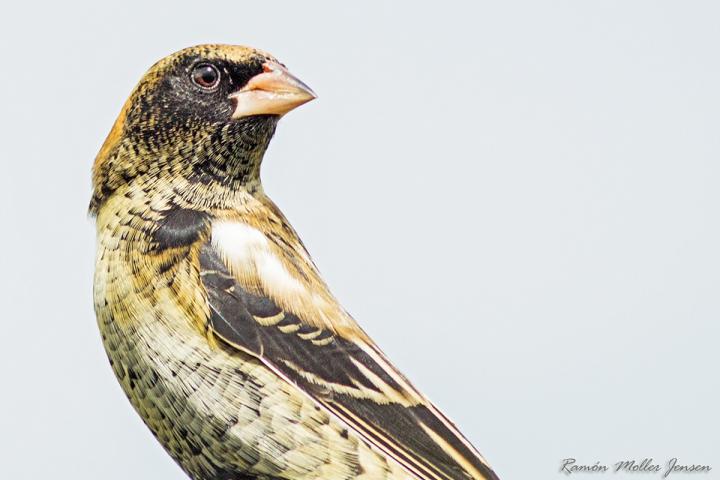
(205, 114)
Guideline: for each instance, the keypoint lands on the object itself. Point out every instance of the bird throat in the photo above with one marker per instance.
(233, 154)
(208, 166)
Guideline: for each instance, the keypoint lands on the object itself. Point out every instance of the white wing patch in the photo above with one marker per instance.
(248, 253)
(256, 262)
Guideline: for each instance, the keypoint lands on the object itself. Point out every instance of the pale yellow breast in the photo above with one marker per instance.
(239, 414)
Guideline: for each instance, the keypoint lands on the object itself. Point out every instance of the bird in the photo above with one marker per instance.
(215, 320)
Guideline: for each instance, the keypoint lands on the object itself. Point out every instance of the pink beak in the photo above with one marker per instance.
(273, 92)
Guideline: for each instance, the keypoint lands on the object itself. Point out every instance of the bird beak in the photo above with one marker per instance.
(273, 92)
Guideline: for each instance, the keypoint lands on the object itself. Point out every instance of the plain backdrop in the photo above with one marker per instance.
(518, 201)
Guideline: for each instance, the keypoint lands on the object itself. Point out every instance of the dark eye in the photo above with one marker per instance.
(206, 76)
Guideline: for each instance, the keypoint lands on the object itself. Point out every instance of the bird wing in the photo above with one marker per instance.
(351, 379)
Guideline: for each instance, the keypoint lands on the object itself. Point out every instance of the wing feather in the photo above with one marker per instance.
(349, 378)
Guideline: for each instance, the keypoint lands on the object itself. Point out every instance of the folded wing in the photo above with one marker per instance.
(351, 379)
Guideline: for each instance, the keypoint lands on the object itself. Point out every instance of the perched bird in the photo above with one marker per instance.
(216, 322)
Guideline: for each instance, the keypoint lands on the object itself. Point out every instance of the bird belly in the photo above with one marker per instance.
(221, 414)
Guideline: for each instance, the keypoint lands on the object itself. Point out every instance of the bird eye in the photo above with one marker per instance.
(206, 76)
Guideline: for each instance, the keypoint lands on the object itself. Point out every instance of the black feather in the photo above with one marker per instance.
(179, 227)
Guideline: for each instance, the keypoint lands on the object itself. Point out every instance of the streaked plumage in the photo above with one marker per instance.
(217, 324)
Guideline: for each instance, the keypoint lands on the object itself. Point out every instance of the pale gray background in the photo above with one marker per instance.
(518, 200)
